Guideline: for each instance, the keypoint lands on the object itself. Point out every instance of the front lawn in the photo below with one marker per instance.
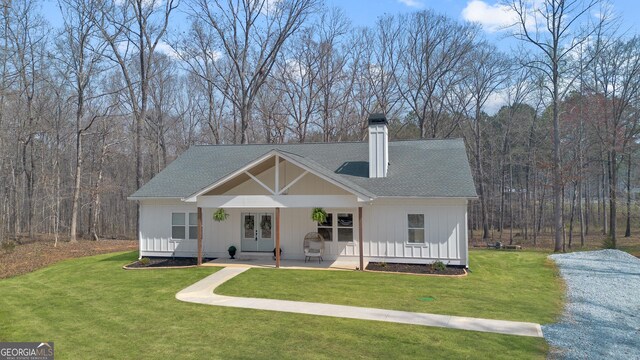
(91, 308)
(520, 286)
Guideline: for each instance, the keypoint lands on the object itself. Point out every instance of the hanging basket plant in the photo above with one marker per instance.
(220, 215)
(318, 215)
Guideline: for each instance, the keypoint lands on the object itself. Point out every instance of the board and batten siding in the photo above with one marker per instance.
(385, 231)
(155, 229)
(295, 223)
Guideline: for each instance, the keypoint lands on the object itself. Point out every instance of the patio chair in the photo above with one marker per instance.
(313, 246)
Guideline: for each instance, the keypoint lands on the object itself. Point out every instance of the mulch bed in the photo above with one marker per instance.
(30, 256)
(414, 269)
(158, 262)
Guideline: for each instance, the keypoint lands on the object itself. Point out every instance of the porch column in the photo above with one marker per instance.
(277, 237)
(199, 236)
(360, 241)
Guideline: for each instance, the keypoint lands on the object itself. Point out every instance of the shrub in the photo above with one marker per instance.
(145, 261)
(608, 243)
(438, 266)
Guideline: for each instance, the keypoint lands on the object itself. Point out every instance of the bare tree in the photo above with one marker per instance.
(488, 70)
(382, 61)
(251, 33)
(27, 34)
(296, 78)
(616, 74)
(434, 48)
(133, 29)
(198, 50)
(80, 50)
(553, 29)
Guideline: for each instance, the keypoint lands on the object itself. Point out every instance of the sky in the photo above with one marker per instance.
(488, 13)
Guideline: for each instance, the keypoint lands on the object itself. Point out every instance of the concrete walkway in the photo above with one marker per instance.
(202, 293)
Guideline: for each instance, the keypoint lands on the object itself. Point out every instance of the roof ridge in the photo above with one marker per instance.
(323, 143)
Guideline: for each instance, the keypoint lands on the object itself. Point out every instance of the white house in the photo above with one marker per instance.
(402, 201)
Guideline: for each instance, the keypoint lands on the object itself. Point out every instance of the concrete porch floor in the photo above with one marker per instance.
(267, 262)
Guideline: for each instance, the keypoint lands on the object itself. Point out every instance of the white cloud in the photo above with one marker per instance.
(412, 3)
(495, 102)
(492, 17)
(294, 69)
(166, 49)
(269, 6)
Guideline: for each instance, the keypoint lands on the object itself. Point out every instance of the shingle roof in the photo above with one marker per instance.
(417, 168)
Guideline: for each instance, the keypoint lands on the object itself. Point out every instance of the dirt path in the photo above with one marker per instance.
(38, 254)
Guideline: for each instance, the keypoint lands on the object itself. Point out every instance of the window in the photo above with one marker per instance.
(180, 228)
(345, 227)
(416, 228)
(177, 226)
(340, 229)
(326, 228)
(193, 226)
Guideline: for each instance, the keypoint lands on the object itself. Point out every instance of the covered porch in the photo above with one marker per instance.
(269, 203)
(268, 262)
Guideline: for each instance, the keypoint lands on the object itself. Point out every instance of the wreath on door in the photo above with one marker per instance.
(266, 224)
(248, 223)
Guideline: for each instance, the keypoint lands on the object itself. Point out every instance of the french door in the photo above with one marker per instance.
(257, 232)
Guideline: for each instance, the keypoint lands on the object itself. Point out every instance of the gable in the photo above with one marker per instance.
(418, 168)
(293, 178)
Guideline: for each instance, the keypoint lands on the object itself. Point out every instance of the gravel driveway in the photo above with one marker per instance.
(602, 316)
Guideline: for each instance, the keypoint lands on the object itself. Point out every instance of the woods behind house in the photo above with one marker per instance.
(93, 107)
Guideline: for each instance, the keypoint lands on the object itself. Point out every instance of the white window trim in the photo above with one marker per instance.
(407, 228)
(352, 227)
(334, 227)
(186, 226)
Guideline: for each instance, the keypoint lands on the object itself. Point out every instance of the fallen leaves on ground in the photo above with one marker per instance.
(31, 256)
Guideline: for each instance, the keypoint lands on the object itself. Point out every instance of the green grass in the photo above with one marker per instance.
(521, 286)
(91, 308)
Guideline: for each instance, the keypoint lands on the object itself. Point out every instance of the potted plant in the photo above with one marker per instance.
(274, 253)
(220, 215)
(318, 215)
(232, 251)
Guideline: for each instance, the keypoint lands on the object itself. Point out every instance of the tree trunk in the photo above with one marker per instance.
(604, 198)
(627, 232)
(571, 215)
(93, 229)
(540, 212)
(76, 183)
(481, 189)
(533, 208)
(510, 201)
(612, 196)
(587, 208)
(580, 212)
(557, 176)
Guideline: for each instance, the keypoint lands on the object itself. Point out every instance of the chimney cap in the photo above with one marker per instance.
(377, 119)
